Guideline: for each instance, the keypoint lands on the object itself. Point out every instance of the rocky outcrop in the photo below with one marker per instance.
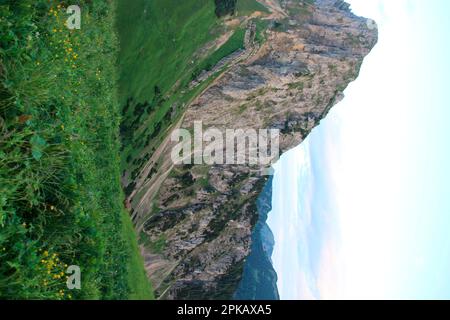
(197, 220)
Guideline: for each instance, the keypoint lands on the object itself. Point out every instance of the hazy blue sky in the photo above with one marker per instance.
(362, 208)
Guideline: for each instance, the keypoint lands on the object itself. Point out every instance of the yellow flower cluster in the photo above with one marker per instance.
(70, 55)
(50, 262)
(97, 74)
(62, 294)
(54, 270)
(54, 12)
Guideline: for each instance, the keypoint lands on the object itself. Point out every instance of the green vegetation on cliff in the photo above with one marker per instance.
(225, 7)
(157, 41)
(160, 44)
(164, 45)
(61, 201)
(234, 43)
(246, 7)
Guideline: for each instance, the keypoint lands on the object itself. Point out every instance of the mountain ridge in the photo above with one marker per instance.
(196, 221)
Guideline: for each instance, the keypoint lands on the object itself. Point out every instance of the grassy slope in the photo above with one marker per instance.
(60, 196)
(139, 286)
(157, 42)
(246, 7)
(234, 43)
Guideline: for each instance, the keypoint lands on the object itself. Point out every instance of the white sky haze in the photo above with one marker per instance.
(367, 214)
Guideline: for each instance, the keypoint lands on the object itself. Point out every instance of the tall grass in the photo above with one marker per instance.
(60, 197)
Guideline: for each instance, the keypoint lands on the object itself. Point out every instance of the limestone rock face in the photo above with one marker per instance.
(202, 216)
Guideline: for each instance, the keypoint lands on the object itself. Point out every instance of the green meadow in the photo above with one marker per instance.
(61, 201)
(158, 41)
(160, 54)
(246, 7)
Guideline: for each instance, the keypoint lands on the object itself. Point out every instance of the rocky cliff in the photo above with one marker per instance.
(196, 221)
